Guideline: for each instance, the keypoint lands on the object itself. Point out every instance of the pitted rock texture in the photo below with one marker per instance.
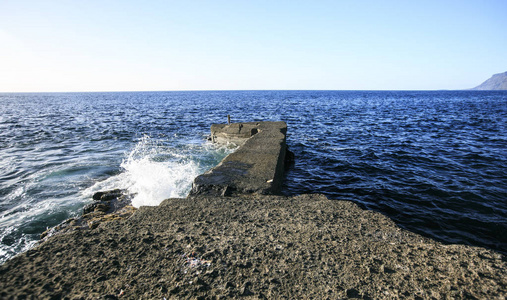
(252, 247)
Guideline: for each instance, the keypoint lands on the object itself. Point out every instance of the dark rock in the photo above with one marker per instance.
(353, 293)
(97, 196)
(96, 206)
(108, 195)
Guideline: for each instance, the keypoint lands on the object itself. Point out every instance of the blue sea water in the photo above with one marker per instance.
(433, 161)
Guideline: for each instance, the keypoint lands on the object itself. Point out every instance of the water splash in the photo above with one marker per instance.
(154, 173)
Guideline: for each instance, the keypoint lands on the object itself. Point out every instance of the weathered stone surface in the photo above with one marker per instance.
(257, 166)
(236, 133)
(108, 205)
(274, 247)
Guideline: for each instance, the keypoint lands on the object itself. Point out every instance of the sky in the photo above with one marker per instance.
(108, 45)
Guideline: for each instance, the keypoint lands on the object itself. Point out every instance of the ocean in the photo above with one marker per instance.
(433, 161)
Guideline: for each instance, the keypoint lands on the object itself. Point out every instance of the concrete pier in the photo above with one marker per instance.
(255, 167)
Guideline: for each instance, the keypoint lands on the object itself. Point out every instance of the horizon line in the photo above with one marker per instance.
(244, 90)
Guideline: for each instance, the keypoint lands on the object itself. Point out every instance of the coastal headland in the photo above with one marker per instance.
(234, 236)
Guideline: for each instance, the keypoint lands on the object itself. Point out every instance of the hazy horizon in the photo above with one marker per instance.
(116, 46)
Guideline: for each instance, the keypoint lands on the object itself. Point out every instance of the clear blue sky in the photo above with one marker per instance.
(229, 45)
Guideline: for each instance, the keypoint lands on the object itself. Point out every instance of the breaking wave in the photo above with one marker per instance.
(154, 171)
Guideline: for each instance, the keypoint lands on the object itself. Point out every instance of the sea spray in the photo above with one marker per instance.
(153, 170)
(155, 173)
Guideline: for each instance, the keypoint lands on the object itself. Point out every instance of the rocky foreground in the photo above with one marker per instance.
(252, 247)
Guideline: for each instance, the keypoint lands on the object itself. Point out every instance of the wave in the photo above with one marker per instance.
(153, 171)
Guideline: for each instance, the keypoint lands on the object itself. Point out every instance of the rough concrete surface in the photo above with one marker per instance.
(255, 167)
(236, 133)
(252, 247)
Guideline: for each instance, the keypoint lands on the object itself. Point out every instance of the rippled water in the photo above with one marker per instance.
(435, 162)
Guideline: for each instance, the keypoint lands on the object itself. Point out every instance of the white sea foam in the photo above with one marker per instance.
(29, 215)
(23, 243)
(154, 172)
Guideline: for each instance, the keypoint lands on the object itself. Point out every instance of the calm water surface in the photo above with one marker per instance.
(435, 162)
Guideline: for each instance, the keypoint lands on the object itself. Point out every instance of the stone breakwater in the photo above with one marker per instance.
(246, 244)
(257, 166)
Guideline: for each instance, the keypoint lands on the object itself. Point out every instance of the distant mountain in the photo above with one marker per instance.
(496, 82)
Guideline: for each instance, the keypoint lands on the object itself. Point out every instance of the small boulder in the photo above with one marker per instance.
(108, 195)
(96, 206)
